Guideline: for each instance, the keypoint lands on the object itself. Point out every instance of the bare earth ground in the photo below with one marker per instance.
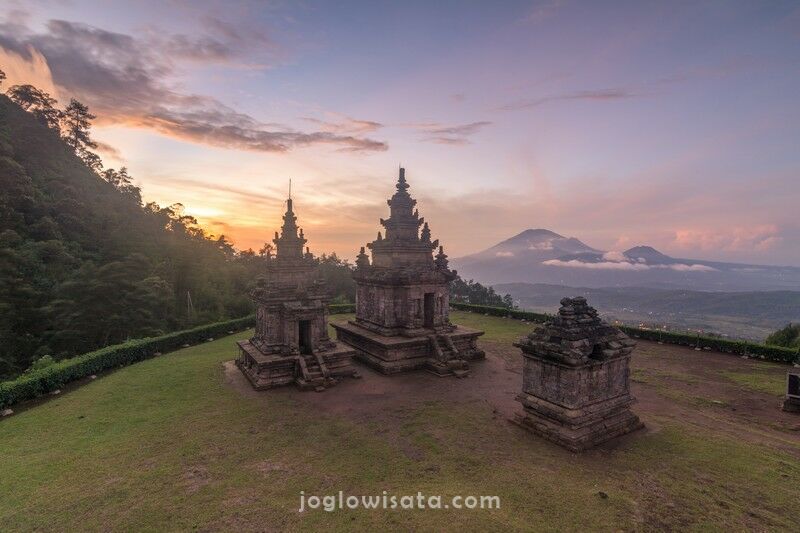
(182, 442)
(671, 383)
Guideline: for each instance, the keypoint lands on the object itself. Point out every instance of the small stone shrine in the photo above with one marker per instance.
(576, 379)
(791, 403)
(291, 342)
(403, 299)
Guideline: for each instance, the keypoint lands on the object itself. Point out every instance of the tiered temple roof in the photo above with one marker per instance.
(290, 269)
(408, 242)
(577, 335)
(289, 244)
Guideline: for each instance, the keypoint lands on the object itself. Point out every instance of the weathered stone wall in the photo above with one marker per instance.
(576, 387)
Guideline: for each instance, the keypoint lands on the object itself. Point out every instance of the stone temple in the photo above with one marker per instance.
(402, 300)
(575, 384)
(291, 342)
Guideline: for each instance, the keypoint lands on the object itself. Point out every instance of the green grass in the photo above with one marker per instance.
(759, 379)
(165, 444)
(497, 329)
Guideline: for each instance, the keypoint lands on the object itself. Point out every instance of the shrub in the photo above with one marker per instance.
(788, 337)
(42, 362)
(338, 309)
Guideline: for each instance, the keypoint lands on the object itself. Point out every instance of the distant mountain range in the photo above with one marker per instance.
(543, 256)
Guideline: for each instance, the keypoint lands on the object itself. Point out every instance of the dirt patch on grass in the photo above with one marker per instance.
(195, 478)
(695, 387)
(669, 382)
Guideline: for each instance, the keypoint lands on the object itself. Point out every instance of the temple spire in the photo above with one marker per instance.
(401, 180)
(289, 243)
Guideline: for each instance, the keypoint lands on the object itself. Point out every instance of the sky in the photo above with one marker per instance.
(670, 124)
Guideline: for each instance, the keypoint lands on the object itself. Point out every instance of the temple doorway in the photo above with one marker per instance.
(428, 310)
(305, 337)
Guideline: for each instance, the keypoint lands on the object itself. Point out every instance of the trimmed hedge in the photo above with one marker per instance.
(38, 382)
(339, 309)
(777, 354)
(501, 312)
(52, 377)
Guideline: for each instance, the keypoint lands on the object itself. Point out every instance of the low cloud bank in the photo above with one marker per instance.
(625, 265)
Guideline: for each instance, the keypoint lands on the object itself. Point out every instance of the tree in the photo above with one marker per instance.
(38, 102)
(2, 76)
(76, 121)
(338, 276)
(788, 336)
(92, 160)
(474, 293)
(122, 182)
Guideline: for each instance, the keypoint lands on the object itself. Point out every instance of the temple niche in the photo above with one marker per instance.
(291, 343)
(576, 379)
(402, 300)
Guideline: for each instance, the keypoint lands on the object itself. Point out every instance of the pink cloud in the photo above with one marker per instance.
(623, 265)
(737, 239)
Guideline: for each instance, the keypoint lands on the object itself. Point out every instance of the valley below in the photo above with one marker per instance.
(739, 315)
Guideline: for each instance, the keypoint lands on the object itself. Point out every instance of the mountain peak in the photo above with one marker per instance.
(648, 253)
(533, 234)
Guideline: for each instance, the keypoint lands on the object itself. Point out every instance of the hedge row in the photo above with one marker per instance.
(502, 312)
(776, 354)
(50, 378)
(39, 382)
(338, 309)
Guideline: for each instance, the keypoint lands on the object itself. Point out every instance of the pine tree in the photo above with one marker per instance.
(76, 121)
(38, 102)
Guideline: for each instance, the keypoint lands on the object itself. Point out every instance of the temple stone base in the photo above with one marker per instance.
(576, 379)
(443, 354)
(577, 407)
(791, 405)
(316, 371)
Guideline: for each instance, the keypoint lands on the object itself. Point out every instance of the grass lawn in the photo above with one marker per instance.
(170, 444)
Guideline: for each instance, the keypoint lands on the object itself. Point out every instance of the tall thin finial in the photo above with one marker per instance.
(290, 188)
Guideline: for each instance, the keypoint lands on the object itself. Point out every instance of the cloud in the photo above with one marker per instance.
(628, 266)
(542, 10)
(109, 150)
(28, 66)
(504, 254)
(596, 95)
(738, 239)
(126, 80)
(344, 124)
(614, 256)
(546, 244)
(223, 43)
(455, 135)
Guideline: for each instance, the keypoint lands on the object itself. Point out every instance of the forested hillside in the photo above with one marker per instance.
(84, 264)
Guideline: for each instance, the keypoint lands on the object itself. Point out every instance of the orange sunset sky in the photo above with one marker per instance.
(669, 124)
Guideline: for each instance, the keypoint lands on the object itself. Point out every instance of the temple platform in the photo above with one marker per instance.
(316, 371)
(577, 429)
(443, 354)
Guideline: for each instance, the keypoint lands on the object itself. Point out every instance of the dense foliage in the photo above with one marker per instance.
(788, 337)
(472, 292)
(83, 264)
